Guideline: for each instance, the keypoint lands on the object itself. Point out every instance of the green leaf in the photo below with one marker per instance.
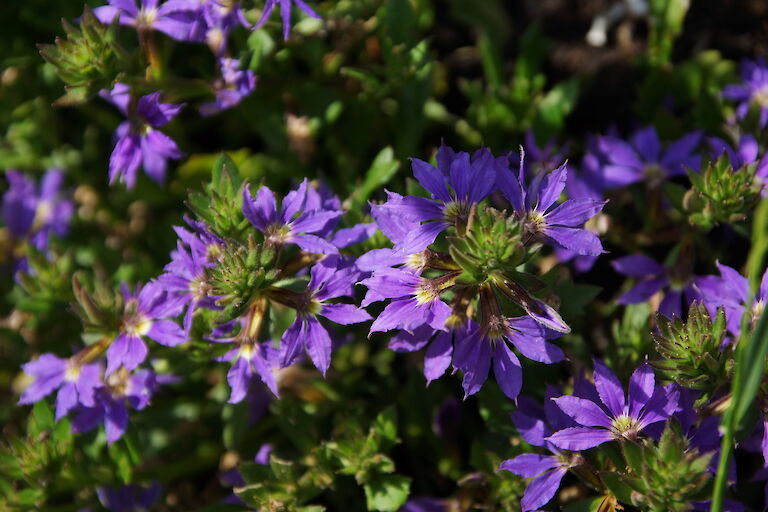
(282, 469)
(122, 457)
(619, 489)
(492, 62)
(367, 78)
(555, 107)
(41, 419)
(385, 425)
(225, 177)
(675, 194)
(633, 456)
(387, 492)
(262, 45)
(382, 170)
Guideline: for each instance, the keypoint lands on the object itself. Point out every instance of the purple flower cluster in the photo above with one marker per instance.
(138, 142)
(307, 221)
(195, 20)
(97, 395)
(404, 274)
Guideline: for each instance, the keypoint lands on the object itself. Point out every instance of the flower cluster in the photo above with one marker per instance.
(138, 142)
(455, 301)
(466, 262)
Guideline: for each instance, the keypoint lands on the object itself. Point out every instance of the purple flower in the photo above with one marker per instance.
(250, 359)
(474, 349)
(285, 13)
(138, 142)
(455, 185)
(534, 425)
(146, 313)
(397, 229)
(76, 382)
(206, 246)
(439, 345)
(218, 19)
(415, 300)
(731, 292)
(121, 390)
(293, 222)
(560, 226)
(617, 417)
(174, 18)
(486, 345)
(184, 276)
(235, 85)
(653, 277)
(754, 90)
(642, 157)
(329, 279)
(129, 498)
(33, 213)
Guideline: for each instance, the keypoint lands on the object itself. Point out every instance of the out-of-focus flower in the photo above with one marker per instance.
(643, 158)
(121, 390)
(76, 382)
(653, 277)
(35, 213)
(731, 291)
(129, 498)
(138, 141)
(235, 85)
(753, 90)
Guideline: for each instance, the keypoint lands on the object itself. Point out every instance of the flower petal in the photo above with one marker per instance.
(529, 465)
(609, 388)
(580, 438)
(584, 412)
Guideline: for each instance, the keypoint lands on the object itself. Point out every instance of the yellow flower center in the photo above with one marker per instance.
(760, 97)
(625, 427)
(146, 17)
(277, 234)
(137, 324)
(72, 373)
